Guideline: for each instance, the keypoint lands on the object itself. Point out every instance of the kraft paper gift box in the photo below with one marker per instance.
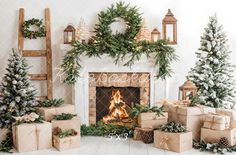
(177, 142)
(74, 123)
(66, 143)
(49, 112)
(213, 136)
(32, 137)
(228, 112)
(216, 122)
(137, 133)
(191, 117)
(152, 120)
(3, 134)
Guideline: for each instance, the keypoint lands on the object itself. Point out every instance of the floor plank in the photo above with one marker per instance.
(91, 145)
(137, 148)
(154, 151)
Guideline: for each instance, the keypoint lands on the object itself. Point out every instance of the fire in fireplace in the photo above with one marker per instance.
(113, 103)
(117, 108)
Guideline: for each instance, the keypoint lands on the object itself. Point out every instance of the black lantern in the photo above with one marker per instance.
(169, 27)
(69, 34)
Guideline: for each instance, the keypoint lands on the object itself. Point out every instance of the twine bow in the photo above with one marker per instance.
(164, 142)
(226, 121)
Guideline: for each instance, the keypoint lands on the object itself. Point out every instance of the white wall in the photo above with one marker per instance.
(192, 17)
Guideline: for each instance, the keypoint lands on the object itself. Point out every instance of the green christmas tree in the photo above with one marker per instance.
(18, 95)
(213, 73)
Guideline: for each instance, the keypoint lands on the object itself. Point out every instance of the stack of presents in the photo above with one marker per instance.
(35, 136)
(202, 123)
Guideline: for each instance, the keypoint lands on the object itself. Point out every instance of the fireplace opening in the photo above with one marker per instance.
(113, 103)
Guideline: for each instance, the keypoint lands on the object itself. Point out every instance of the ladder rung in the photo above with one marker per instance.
(41, 98)
(34, 53)
(38, 77)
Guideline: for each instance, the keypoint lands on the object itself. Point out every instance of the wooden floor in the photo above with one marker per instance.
(105, 146)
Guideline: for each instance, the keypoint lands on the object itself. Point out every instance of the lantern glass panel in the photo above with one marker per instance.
(169, 32)
(155, 37)
(65, 37)
(180, 95)
(70, 36)
(189, 95)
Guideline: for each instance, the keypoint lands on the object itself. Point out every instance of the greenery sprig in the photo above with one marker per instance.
(213, 147)
(136, 109)
(7, 144)
(64, 116)
(101, 129)
(51, 103)
(27, 33)
(119, 46)
(173, 127)
(66, 133)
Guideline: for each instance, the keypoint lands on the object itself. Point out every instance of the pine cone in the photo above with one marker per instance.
(223, 142)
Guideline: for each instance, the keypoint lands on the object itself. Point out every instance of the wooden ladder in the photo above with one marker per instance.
(39, 53)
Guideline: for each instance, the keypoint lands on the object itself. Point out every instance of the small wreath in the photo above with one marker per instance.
(27, 33)
(115, 43)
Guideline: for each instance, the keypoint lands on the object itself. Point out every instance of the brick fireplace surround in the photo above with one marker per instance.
(103, 72)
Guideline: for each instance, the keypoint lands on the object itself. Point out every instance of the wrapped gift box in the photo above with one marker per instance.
(191, 117)
(3, 134)
(177, 142)
(74, 123)
(66, 143)
(49, 112)
(32, 137)
(137, 133)
(228, 112)
(216, 122)
(213, 136)
(152, 120)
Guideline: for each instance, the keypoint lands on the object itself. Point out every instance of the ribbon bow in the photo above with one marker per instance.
(164, 142)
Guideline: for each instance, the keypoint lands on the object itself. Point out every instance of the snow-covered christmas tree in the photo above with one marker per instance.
(18, 94)
(213, 73)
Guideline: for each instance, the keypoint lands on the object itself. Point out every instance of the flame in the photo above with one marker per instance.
(117, 108)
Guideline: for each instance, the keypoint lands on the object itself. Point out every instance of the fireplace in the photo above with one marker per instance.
(113, 103)
(111, 95)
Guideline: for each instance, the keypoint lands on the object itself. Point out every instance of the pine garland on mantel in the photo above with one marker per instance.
(119, 46)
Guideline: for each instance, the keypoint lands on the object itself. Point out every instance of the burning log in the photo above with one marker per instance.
(117, 109)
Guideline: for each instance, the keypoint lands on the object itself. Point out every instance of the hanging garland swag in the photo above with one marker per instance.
(27, 33)
(119, 45)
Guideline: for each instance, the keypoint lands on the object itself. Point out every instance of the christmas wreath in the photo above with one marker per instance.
(27, 33)
(119, 45)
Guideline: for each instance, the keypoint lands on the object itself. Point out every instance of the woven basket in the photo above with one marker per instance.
(147, 135)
